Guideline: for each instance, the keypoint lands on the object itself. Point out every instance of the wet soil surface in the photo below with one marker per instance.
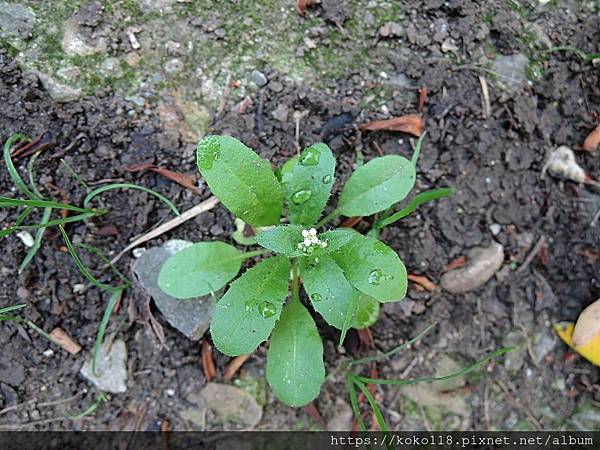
(494, 163)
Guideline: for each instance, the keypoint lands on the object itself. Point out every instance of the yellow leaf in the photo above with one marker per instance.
(589, 350)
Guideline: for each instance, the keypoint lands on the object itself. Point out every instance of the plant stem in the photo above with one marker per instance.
(253, 253)
(328, 218)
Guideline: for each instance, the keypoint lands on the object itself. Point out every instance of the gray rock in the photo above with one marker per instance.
(11, 373)
(232, 405)
(195, 414)
(482, 263)
(511, 70)
(514, 360)
(111, 369)
(281, 113)
(111, 67)
(393, 29)
(174, 65)
(544, 345)
(259, 78)
(190, 316)
(59, 92)
(342, 420)
(74, 43)
(16, 20)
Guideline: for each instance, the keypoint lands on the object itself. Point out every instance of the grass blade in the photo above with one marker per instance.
(68, 219)
(10, 230)
(96, 251)
(37, 243)
(114, 298)
(90, 409)
(354, 401)
(12, 170)
(12, 308)
(396, 349)
(108, 187)
(417, 201)
(459, 373)
(30, 165)
(7, 202)
(378, 414)
(84, 271)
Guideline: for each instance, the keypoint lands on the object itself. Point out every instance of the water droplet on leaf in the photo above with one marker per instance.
(301, 196)
(310, 157)
(249, 305)
(376, 277)
(316, 297)
(208, 151)
(326, 179)
(267, 309)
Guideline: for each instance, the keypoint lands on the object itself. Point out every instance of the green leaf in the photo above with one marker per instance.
(200, 269)
(373, 268)
(246, 314)
(329, 291)
(295, 369)
(338, 237)
(242, 180)
(367, 312)
(308, 184)
(376, 186)
(417, 201)
(283, 239)
(239, 234)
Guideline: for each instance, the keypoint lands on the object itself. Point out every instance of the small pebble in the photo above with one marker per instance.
(495, 228)
(137, 252)
(259, 78)
(48, 352)
(26, 238)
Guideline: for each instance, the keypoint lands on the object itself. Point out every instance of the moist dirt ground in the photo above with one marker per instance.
(278, 80)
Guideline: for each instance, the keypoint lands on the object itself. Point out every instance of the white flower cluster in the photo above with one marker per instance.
(311, 240)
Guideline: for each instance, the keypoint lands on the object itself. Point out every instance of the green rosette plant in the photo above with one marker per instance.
(346, 275)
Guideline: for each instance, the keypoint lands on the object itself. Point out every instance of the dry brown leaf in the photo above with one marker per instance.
(423, 281)
(63, 339)
(411, 124)
(592, 140)
(456, 263)
(301, 5)
(184, 180)
(422, 98)
(234, 366)
(208, 363)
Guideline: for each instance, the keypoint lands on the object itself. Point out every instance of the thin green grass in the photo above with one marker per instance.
(114, 298)
(108, 187)
(90, 409)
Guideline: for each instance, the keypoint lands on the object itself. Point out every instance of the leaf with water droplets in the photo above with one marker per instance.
(308, 182)
(241, 179)
(367, 312)
(325, 280)
(373, 268)
(376, 186)
(283, 239)
(338, 237)
(295, 369)
(244, 316)
(200, 269)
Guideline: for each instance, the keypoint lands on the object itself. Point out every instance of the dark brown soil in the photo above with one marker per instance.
(495, 164)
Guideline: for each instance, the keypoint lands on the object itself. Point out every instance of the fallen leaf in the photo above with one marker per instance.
(422, 98)
(590, 254)
(456, 263)
(423, 281)
(184, 180)
(301, 5)
(108, 230)
(584, 335)
(63, 339)
(208, 364)
(313, 412)
(411, 124)
(592, 140)
(366, 338)
(350, 222)
(234, 366)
